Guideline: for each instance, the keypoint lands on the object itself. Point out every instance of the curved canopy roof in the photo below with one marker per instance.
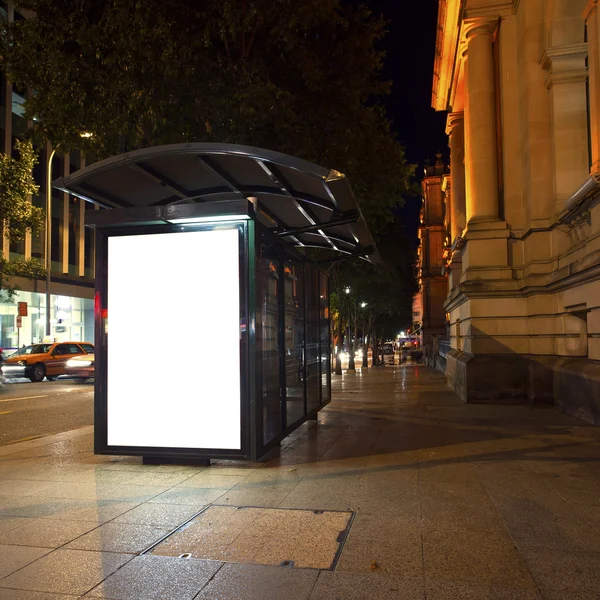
(306, 205)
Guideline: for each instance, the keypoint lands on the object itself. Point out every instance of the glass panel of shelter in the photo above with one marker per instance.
(268, 340)
(313, 368)
(294, 339)
(325, 348)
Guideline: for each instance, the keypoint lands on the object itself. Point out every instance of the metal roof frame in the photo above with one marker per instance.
(303, 204)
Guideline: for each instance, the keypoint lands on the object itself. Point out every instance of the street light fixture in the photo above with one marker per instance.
(347, 290)
(363, 304)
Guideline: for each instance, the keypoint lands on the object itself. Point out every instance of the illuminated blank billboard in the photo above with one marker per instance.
(173, 353)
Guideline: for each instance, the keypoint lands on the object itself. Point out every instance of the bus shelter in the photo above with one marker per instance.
(211, 321)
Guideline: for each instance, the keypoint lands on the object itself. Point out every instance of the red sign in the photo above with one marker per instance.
(19, 320)
(22, 309)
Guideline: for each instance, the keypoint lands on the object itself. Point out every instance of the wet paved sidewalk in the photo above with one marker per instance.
(444, 501)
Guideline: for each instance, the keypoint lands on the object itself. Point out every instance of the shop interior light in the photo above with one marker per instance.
(215, 219)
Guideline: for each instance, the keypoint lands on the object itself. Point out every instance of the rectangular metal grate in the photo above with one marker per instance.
(268, 536)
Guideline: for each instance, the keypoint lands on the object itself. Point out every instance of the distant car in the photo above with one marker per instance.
(44, 360)
(81, 367)
(388, 353)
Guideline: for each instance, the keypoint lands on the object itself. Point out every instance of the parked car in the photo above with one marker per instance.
(44, 360)
(81, 367)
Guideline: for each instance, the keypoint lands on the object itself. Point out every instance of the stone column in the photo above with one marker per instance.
(482, 205)
(456, 130)
(466, 128)
(591, 16)
(566, 81)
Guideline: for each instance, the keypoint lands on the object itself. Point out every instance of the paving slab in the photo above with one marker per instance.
(47, 533)
(130, 538)
(257, 582)
(6, 594)
(13, 558)
(359, 586)
(72, 572)
(157, 578)
(459, 590)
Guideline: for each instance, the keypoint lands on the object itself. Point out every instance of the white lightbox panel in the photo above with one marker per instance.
(174, 340)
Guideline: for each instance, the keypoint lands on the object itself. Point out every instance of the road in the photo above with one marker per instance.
(30, 410)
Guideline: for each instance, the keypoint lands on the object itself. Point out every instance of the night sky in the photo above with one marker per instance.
(410, 49)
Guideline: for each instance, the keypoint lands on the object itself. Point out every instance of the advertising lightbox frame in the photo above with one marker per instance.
(102, 322)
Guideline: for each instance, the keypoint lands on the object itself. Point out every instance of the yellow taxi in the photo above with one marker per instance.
(44, 360)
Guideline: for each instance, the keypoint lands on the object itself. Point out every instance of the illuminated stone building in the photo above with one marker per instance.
(520, 80)
(433, 285)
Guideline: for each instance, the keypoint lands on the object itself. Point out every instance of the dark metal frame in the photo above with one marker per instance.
(337, 197)
(101, 345)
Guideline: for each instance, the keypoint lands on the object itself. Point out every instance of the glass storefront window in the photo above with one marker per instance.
(294, 340)
(74, 221)
(89, 240)
(72, 319)
(57, 234)
(38, 240)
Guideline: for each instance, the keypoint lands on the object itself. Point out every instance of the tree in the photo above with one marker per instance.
(18, 214)
(298, 76)
(17, 268)
(16, 186)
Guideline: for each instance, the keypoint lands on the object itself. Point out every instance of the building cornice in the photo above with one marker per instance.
(445, 51)
(454, 20)
(500, 9)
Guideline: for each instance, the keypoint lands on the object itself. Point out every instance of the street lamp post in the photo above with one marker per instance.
(365, 361)
(351, 318)
(48, 236)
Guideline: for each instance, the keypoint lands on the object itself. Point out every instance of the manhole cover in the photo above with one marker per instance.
(268, 536)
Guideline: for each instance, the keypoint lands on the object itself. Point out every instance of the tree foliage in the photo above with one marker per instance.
(16, 187)
(17, 213)
(31, 268)
(298, 76)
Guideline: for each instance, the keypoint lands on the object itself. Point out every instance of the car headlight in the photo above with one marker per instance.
(78, 363)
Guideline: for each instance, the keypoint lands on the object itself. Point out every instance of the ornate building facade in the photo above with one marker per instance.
(520, 80)
(433, 285)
